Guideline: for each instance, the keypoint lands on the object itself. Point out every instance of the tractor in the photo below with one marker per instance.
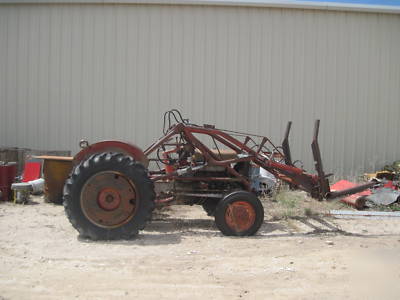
(114, 186)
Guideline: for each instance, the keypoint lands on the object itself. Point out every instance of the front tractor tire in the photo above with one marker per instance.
(108, 197)
(239, 214)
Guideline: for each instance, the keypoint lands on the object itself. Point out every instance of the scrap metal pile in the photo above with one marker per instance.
(385, 193)
(22, 172)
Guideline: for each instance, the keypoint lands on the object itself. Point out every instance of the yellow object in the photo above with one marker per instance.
(380, 175)
(369, 176)
(55, 171)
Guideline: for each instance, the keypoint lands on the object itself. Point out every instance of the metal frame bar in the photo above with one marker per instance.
(288, 173)
(317, 185)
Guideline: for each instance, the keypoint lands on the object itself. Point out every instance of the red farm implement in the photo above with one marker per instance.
(114, 186)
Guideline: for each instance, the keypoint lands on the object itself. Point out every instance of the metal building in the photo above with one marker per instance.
(109, 69)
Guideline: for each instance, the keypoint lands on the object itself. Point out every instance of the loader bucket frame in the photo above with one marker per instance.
(323, 183)
(322, 188)
(284, 169)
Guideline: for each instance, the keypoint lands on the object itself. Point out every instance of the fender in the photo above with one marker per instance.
(111, 146)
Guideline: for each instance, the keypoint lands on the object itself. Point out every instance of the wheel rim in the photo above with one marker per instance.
(240, 216)
(109, 199)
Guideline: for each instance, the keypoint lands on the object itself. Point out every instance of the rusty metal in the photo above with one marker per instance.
(264, 140)
(286, 147)
(211, 178)
(202, 195)
(323, 183)
(108, 199)
(352, 190)
(355, 200)
(164, 200)
(111, 146)
(7, 177)
(190, 172)
(240, 216)
(185, 157)
(55, 171)
(317, 185)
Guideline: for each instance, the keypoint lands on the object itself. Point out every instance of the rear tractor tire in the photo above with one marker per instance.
(239, 214)
(109, 196)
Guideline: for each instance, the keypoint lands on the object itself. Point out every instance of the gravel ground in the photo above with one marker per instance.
(182, 255)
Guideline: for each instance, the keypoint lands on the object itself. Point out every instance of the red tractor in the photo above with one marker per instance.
(112, 191)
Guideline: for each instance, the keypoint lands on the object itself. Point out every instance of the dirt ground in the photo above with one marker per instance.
(182, 255)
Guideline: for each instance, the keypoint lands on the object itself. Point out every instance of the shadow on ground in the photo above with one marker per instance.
(171, 230)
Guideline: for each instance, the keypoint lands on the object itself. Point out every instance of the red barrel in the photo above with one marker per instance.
(7, 177)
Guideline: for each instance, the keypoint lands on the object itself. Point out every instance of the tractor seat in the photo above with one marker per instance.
(223, 154)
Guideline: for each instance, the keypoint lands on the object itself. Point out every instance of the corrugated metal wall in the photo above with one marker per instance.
(110, 71)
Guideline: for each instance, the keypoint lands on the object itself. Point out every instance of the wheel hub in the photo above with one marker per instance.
(108, 199)
(240, 216)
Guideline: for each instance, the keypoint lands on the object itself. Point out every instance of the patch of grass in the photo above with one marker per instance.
(287, 199)
(289, 204)
(395, 207)
(292, 198)
(392, 207)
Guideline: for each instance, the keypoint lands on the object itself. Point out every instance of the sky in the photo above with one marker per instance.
(367, 2)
